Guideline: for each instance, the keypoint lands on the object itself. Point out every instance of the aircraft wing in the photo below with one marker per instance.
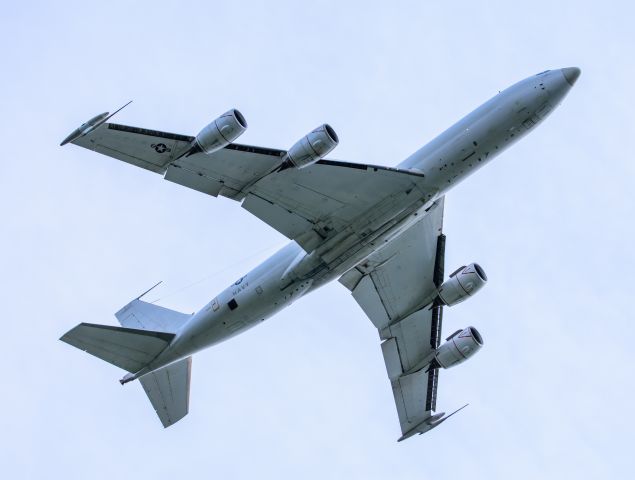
(226, 172)
(308, 205)
(396, 287)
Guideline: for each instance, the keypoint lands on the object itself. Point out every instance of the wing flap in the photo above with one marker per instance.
(312, 204)
(334, 193)
(413, 337)
(410, 394)
(390, 351)
(287, 222)
(367, 296)
(194, 180)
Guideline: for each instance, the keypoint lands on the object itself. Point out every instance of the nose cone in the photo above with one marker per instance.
(571, 74)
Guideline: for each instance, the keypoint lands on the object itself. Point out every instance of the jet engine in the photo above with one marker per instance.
(221, 132)
(458, 348)
(313, 147)
(463, 283)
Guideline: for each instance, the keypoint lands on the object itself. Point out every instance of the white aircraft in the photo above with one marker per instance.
(377, 229)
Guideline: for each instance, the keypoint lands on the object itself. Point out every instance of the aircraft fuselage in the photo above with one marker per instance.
(445, 161)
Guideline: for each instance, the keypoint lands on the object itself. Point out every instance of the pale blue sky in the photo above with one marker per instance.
(306, 394)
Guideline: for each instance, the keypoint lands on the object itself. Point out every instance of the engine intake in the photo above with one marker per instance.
(459, 347)
(221, 132)
(463, 283)
(313, 147)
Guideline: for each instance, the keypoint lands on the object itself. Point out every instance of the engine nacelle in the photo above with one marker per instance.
(221, 132)
(463, 283)
(459, 347)
(313, 147)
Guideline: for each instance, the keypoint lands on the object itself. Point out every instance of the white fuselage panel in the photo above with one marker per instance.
(445, 161)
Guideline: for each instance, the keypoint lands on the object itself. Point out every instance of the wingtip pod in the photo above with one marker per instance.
(429, 423)
(85, 128)
(91, 125)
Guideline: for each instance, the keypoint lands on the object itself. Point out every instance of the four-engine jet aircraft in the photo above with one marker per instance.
(377, 229)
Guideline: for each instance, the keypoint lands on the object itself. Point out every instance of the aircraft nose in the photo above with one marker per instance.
(571, 74)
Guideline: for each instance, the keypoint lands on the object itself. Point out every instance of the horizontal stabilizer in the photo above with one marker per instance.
(148, 316)
(127, 348)
(169, 390)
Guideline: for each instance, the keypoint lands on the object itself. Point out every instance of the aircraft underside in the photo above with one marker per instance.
(377, 229)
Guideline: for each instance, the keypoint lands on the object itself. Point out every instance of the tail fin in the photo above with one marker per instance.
(127, 348)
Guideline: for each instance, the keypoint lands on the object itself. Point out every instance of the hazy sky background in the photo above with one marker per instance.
(306, 394)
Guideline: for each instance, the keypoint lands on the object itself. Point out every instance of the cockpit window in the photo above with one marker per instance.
(542, 73)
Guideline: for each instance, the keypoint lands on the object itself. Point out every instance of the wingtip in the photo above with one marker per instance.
(74, 134)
